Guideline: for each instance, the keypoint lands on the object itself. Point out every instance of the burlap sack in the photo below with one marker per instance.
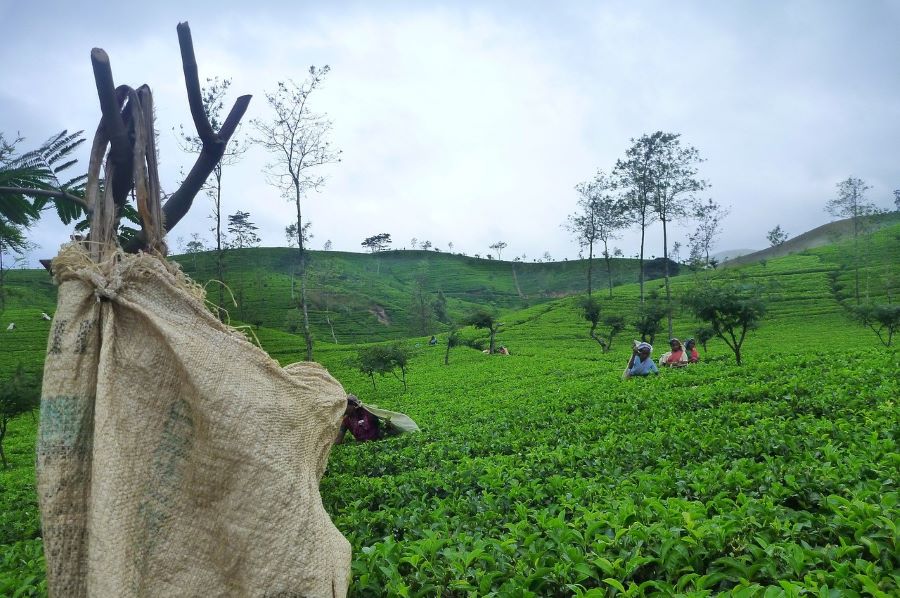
(174, 457)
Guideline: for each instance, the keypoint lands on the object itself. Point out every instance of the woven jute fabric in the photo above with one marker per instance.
(174, 457)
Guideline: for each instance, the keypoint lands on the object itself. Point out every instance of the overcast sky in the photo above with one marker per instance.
(471, 122)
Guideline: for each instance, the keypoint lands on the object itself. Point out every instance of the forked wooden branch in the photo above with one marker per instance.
(118, 122)
(213, 142)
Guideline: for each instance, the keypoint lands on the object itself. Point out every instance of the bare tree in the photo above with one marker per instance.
(297, 138)
(674, 174)
(601, 215)
(851, 203)
(213, 96)
(709, 216)
(634, 176)
(498, 247)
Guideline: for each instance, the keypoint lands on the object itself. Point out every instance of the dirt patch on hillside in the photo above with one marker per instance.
(380, 314)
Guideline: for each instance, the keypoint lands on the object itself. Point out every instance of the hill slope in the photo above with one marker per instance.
(388, 295)
(827, 234)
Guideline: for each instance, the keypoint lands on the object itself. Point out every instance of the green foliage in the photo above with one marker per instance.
(776, 236)
(20, 394)
(40, 169)
(590, 310)
(483, 319)
(704, 334)
(882, 318)
(383, 360)
(378, 242)
(731, 312)
(649, 317)
(538, 476)
(453, 340)
(243, 231)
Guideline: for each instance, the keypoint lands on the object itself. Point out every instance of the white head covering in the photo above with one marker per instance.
(647, 346)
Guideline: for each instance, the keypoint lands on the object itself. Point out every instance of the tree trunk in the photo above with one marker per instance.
(666, 271)
(2, 282)
(330, 324)
(643, 230)
(590, 265)
(307, 335)
(608, 267)
(737, 354)
(856, 256)
(2, 436)
(220, 258)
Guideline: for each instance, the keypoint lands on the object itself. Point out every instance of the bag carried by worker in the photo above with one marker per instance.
(174, 457)
(395, 422)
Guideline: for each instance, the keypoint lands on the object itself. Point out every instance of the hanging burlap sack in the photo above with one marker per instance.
(174, 457)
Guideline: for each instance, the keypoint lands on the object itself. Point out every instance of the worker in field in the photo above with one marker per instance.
(676, 357)
(362, 424)
(367, 422)
(640, 363)
(690, 347)
(432, 341)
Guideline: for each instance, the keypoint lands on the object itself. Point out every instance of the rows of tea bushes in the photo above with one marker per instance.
(545, 474)
(553, 477)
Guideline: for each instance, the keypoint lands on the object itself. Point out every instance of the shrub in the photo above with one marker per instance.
(383, 360)
(483, 319)
(729, 310)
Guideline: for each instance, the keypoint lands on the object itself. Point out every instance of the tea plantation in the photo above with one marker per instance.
(545, 474)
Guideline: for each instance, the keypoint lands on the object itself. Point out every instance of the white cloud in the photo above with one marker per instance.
(471, 123)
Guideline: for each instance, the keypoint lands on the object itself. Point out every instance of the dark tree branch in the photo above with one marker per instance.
(121, 152)
(192, 83)
(213, 143)
(48, 193)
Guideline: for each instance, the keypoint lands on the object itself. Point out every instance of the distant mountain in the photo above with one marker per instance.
(730, 254)
(826, 234)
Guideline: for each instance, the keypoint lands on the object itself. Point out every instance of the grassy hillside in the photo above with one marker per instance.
(827, 234)
(544, 474)
(368, 297)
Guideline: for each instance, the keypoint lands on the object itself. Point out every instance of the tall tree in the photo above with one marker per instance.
(674, 171)
(297, 138)
(851, 203)
(709, 216)
(213, 96)
(634, 176)
(498, 247)
(599, 217)
(243, 231)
